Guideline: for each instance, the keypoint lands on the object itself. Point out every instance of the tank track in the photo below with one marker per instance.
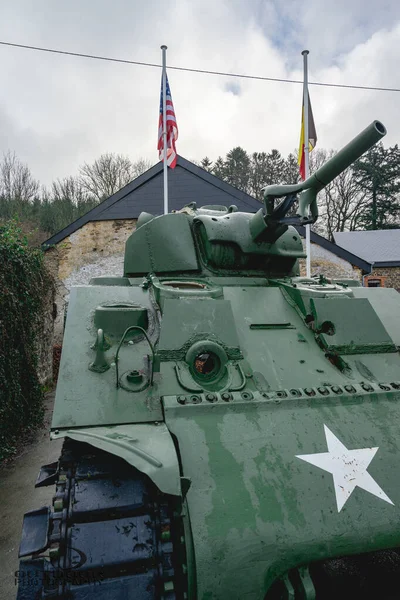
(110, 535)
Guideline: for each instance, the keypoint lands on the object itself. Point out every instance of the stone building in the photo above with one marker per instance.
(381, 249)
(94, 244)
(331, 260)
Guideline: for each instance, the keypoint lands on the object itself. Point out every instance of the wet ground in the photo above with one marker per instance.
(18, 495)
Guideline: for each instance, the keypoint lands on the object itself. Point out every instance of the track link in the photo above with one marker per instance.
(111, 535)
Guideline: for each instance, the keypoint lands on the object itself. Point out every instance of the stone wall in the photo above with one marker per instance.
(95, 250)
(324, 262)
(93, 241)
(391, 276)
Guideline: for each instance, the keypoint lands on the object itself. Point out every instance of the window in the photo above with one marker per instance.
(374, 281)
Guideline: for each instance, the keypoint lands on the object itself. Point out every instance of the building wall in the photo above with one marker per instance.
(94, 240)
(326, 263)
(391, 275)
(95, 250)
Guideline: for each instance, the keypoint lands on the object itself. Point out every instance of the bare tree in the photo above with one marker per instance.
(141, 166)
(16, 180)
(344, 203)
(110, 173)
(341, 202)
(66, 201)
(318, 157)
(18, 189)
(69, 188)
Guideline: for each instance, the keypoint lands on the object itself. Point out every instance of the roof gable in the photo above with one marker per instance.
(186, 183)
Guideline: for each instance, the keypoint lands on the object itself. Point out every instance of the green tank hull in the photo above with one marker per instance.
(256, 410)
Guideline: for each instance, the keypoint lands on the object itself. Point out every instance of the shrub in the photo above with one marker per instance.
(24, 283)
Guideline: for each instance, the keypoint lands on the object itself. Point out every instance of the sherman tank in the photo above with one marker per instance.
(231, 429)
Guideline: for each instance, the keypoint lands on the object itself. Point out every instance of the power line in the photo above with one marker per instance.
(189, 70)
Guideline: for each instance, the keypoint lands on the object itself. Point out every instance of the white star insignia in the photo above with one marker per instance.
(348, 467)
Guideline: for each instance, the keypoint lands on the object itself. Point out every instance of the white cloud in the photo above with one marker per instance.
(57, 112)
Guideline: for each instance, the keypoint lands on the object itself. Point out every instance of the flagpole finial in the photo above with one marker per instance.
(305, 52)
(164, 47)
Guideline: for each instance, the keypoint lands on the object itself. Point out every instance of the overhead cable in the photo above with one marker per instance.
(203, 71)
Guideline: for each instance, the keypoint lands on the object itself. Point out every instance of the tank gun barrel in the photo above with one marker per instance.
(346, 156)
(276, 221)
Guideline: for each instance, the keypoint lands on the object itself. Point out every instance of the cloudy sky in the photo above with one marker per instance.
(57, 112)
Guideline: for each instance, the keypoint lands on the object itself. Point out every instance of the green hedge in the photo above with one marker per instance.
(24, 284)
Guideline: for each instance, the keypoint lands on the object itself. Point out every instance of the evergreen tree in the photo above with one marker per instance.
(274, 168)
(258, 168)
(206, 164)
(377, 173)
(291, 173)
(237, 168)
(219, 168)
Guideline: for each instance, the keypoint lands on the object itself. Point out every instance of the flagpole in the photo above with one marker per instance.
(306, 154)
(164, 94)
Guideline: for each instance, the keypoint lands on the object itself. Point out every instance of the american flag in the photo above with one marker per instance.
(172, 129)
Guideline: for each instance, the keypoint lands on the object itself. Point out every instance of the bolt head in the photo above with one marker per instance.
(211, 397)
(309, 392)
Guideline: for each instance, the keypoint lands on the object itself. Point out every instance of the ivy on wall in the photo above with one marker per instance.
(24, 285)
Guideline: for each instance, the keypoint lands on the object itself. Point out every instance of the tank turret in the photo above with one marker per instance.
(219, 240)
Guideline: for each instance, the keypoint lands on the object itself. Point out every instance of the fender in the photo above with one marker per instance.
(146, 446)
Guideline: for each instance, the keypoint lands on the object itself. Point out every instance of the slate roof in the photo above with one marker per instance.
(186, 183)
(381, 248)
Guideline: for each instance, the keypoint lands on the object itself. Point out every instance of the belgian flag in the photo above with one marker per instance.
(312, 137)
